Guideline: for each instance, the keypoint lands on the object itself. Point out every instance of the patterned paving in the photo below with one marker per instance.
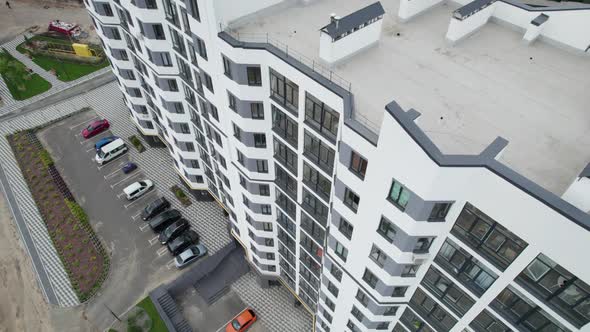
(10, 104)
(274, 305)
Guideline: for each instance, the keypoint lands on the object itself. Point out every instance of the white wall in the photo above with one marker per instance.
(460, 29)
(578, 194)
(411, 8)
(332, 51)
(230, 10)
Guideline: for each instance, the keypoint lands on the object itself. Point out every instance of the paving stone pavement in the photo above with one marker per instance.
(10, 104)
(274, 306)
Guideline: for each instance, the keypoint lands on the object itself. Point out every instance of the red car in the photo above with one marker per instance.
(95, 128)
(242, 321)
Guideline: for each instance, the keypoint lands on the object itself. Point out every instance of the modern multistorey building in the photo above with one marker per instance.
(378, 217)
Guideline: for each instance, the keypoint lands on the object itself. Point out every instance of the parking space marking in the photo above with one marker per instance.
(109, 163)
(144, 227)
(91, 149)
(114, 172)
(162, 251)
(124, 179)
(90, 139)
(137, 215)
(153, 240)
(120, 195)
(137, 200)
(170, 264)
(85, 122)
(222, 327)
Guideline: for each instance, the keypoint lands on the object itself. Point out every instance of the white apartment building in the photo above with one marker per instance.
(439, 211)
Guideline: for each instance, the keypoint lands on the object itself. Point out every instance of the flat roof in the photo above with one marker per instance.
(490, 84)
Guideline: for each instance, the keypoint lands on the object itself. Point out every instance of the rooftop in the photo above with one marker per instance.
(490, 84)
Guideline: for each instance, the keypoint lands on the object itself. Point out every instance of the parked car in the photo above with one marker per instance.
(182, 242)
(173, 231)
(160, 222)
(95, 128)
(242, 321)
(104, 141)
(190, 255)
(138, 189)
(154, 208)
(129, 167)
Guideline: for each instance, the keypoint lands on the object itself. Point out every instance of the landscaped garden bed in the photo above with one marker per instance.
(181, 195)
(65, 65)
(137, 143)
(81, 252)
(21, 82)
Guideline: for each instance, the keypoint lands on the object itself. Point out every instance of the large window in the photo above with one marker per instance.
(370, 278)
(285, 156)
(439, 211)
(445, 290)
(321, 117)
(312, 228)
(523, 313)
(341, 251)
(257, 111)
(430, 310)
(358, 164)
(286, 182)
(470, 272)
(488, 237)
(286, 204)
(398, 195)
(351, 199)
(319, 152)
(284, 126)
(559, 288)
(378, 256)
(486, 322)
(386, 229)
(345, 228)
(413, 322)
(284, 91)
(315, 207)
(259, 140)
(316, 181)
(254, 76)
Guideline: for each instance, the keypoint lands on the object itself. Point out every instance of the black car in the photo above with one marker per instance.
(164, 219)
(173, 231)
(182, 242)
(154, 208)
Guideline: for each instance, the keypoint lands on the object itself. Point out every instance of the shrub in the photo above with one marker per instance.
(136, 143)
(45, 158)
(77, 211)
(181, 195)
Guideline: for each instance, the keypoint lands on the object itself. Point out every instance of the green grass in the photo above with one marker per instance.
(158, 323)
(64, 69)
(33, 86)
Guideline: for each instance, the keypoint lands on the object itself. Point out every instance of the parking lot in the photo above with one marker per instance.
(138, 261)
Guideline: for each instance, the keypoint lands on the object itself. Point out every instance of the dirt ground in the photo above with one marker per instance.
(27, 13)
(22, 307)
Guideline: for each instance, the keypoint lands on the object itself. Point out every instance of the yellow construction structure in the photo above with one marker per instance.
(82, 50)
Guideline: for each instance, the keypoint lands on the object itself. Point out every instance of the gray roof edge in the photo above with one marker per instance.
(585, 172)
(355, 18)
(487, 160)
(577, 6)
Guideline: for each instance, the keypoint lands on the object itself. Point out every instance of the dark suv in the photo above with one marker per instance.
(155, 208)
(173, 231)
(182, 242)
(164, 219)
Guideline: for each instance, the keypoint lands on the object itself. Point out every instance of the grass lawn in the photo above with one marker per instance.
(158, 323)
(33, 86)
(65, 70)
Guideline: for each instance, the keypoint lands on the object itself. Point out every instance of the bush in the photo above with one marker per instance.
(45, 158)
(181, 195)
(77, 211)
(136, 143)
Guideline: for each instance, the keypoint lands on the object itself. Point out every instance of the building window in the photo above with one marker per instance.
(329, 303)
(316, 181)
(284, 126)
(439, 211)
(284, 91)
(398, 195)
(410, 270)
(386, 229)
(269, 242)
(487, 237)
(557, 287)
(237, 131)
(378, 256)
(321, 117)
(470, 272)
(158, 31)
(336, 272)
(370, 278)
(263, 190)
(341, 251)
(351, 199)
(240, 158)
(201, 48)
(362, 298)
(285, 181)
(232, 101)
(357, 314)
(485, 322)
(351, 326)
(318, 152)
(422, 245)
(261, 166)
(257, 111)
(265, 209)
(254, 76)
(446, 291)
(431, 311)
(358, 165)
(383, 326)
(226, 67)
(345, 228)
(315, 207)
(399, 291)
(285, 156)
(390, 311)
(194, 10)
(333, 289)
(259, 140)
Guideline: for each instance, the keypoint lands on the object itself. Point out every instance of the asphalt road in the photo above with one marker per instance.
(138, 262)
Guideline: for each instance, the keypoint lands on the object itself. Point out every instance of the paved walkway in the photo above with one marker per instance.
(10, 104)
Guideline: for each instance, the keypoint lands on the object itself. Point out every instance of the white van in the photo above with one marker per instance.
(111, 151)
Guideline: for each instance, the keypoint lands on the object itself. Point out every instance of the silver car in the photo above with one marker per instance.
(190, 255)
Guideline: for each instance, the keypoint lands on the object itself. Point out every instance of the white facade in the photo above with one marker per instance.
(250, 121)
